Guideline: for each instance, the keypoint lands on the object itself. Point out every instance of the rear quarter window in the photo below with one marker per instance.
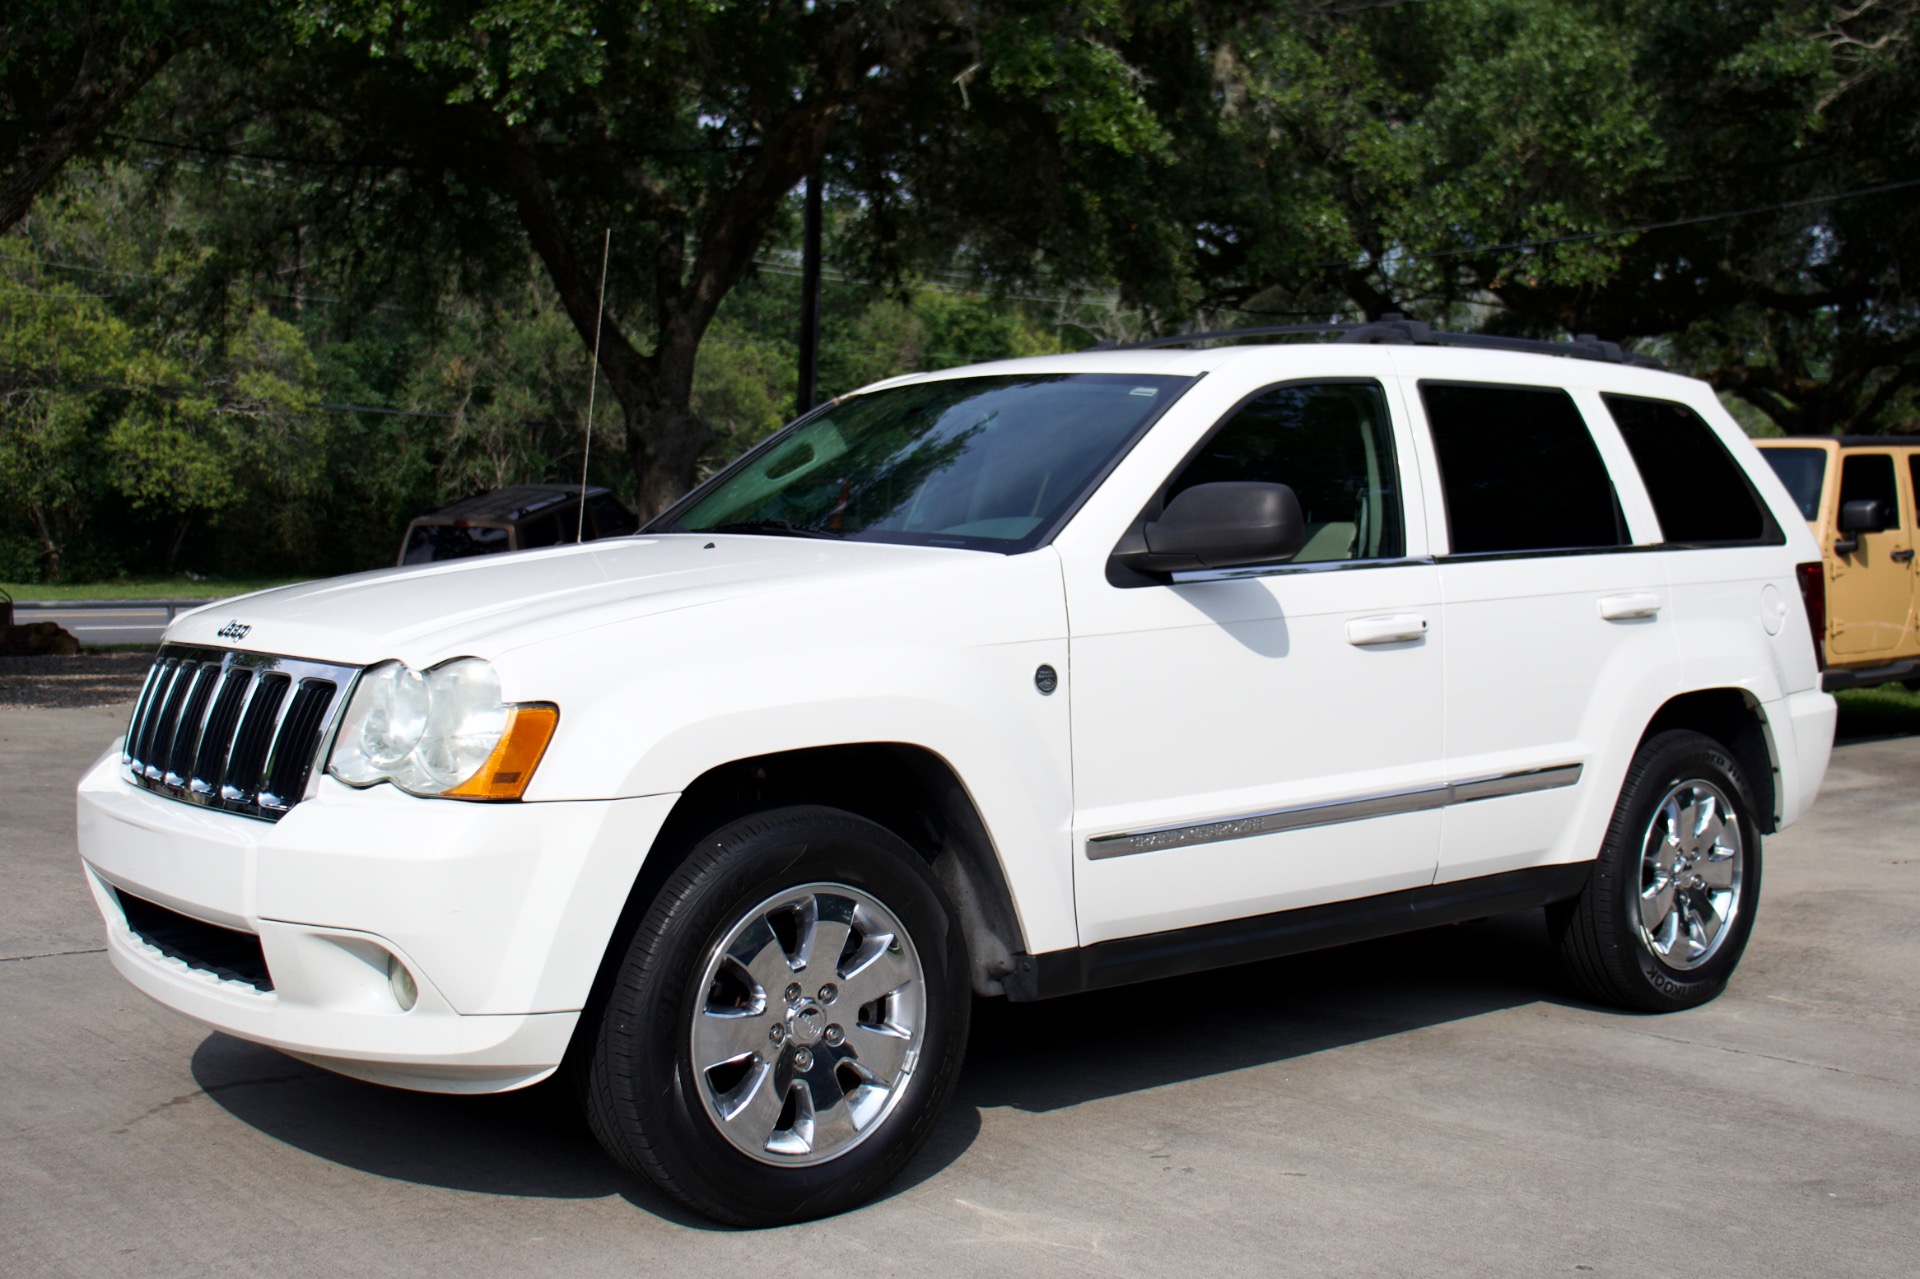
(1519, 470)
(1804, 472)
(1700, 494)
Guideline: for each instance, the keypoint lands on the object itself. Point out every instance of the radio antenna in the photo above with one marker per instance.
(593, 385)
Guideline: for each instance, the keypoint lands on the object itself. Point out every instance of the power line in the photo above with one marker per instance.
(1343, 10)
(35, 378)
(1666, 225)
(395, 162)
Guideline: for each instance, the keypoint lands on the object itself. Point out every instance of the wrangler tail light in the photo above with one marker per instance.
(1813, 590)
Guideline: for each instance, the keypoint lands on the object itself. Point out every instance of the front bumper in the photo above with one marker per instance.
(500, 912)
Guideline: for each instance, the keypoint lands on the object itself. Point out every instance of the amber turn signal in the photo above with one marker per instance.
(508, 770)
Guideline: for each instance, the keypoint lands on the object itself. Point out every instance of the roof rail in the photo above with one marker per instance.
(1395, 329)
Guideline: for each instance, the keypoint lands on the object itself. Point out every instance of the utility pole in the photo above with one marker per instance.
(804, 396)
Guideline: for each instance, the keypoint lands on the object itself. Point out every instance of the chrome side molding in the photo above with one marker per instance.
(1333, 812)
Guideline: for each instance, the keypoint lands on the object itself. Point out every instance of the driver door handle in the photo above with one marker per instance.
(1397, 628)
(1622, 608)
(1901, 557)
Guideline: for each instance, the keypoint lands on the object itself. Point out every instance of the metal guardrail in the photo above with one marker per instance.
(173, 608)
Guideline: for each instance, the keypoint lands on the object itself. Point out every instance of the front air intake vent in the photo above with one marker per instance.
(226, 953)
(239, 732)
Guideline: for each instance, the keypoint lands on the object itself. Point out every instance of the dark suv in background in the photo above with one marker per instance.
(519, 517)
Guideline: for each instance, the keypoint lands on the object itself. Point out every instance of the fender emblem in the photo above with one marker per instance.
(233, 631)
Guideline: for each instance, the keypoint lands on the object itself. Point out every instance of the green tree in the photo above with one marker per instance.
(682, 125)
(64, 359)
(70, 68)
(237, 419)
(111, 401)
(1650, 169)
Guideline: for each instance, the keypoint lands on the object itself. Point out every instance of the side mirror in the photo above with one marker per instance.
(1224, 525)
(1863, 517)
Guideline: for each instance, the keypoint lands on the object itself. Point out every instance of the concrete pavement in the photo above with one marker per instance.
(1431, 1104)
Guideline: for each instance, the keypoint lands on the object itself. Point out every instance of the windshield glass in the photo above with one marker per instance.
(1803, 471)
(984, 462)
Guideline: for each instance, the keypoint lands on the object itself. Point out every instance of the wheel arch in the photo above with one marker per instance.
(908, 789)
(1732, 717)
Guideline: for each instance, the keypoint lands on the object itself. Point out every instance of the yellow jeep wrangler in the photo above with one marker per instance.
(1858, 493)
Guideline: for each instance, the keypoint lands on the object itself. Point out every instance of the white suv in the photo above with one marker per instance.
(1020, 680)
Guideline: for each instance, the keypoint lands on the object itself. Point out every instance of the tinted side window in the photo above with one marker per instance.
(543, 531)
(608, 518)
(1519, 470)
(1698, 490)
(430, 542)
(1868, 477)
(1803, 471)
(1913, 465)
(1333, 445)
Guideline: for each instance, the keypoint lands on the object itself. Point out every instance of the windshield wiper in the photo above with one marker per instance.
(779, 528)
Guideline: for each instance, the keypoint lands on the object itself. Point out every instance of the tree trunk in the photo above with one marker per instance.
(109, 73)
(664, 436)
(174, 543)
(665, 442)
(49, 544)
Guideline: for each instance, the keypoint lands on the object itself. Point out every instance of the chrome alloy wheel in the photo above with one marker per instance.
(810, 1025)
(1690, 869)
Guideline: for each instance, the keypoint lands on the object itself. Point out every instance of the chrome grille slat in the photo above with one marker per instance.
(250, 744)
(210, 762)
(167, 720)
(193, 717)
(234, 731)
(139, 711)
(163, 677)
(295, 738)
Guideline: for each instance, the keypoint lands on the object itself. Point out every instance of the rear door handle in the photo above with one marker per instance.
(1901, 557)
(1397, 628)
(1625, 608)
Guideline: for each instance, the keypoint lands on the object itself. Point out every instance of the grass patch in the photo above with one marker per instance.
(146, 588)
(1878, 712)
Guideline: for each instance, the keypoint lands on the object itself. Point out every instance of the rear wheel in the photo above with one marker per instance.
(787, 1023)
(1665, 917)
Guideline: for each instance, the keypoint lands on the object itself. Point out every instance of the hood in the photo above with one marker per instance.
(485, 605)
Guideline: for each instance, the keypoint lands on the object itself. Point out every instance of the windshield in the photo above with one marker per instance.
(1803, 471)
(987, 462)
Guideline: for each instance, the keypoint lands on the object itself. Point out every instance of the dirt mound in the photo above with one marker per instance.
(37, 639)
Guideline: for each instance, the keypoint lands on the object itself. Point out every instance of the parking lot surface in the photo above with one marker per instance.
(1432, 1104)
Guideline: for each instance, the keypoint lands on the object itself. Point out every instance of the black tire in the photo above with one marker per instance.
(1605, 948)
(659, 1113)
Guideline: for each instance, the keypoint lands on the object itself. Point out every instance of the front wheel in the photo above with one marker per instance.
(788, 1020)
(1665, 916)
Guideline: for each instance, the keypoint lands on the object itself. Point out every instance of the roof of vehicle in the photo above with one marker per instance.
(1197, 354)
(1395, 329)
(511, 504)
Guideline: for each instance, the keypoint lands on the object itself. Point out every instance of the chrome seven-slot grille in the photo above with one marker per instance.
(239, 732)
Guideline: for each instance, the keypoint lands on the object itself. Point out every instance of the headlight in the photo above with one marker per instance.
(442, 733)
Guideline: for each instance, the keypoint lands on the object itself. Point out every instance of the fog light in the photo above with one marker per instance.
(405, 993)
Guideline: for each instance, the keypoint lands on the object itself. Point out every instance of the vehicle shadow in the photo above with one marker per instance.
(1061, 1053)
(1033, 1057)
